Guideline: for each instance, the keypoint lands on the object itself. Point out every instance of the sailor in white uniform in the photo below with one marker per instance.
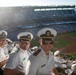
(3, 57)
(17, 60)
(9, 45)
(59, 62)
(73, 68)
(42, 60)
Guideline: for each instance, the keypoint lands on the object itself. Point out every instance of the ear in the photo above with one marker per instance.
(40, 41)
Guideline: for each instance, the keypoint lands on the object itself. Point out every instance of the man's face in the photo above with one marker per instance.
(47, 44)
(24, 44)
(2, 42)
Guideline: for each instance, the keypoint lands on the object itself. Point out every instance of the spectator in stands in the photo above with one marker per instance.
(59, 62)
(3, 57)
(9, 45)
(15, 48)
(42, 60)
(17, 61)
(73, 67)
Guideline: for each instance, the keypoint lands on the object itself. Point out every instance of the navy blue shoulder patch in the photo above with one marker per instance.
(37, 52)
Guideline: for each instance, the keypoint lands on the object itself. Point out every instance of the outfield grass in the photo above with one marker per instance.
(59, 42)
(73, 34)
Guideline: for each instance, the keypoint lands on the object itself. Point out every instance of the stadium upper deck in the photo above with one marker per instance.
(28, 14)
(13, 19)
(34, 7)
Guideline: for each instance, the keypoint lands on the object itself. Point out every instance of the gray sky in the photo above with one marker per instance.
(36, 2)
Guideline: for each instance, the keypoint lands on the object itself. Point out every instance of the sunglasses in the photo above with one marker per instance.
(48, 42)
(25, 41)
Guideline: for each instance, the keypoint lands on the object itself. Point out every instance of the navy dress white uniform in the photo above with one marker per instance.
(3, 57)
(39, 63)
(3, 34)
(18, 59)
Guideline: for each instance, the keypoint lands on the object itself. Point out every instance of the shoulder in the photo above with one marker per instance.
(14, 55)
(34, 57)
(13, 58)
(37, 52)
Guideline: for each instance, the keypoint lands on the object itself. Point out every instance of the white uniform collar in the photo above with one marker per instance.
(23, 51)
(43, 53)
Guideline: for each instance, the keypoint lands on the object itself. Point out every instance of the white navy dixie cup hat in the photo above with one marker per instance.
(57, 52)
(3, 34)
(73, 67)
(47, 33)
(25, 36)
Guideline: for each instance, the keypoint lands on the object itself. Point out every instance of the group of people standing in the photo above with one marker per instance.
(64, 64)
(22, 62)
